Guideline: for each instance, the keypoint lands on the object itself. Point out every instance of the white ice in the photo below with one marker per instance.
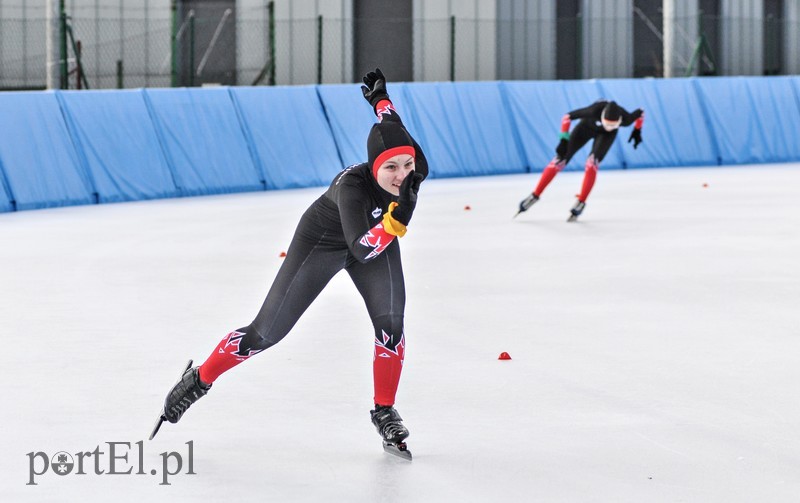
(655, 347)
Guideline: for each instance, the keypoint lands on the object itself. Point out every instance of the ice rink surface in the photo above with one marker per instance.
(655, 348)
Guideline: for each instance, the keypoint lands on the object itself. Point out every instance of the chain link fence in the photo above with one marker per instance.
(116, 48)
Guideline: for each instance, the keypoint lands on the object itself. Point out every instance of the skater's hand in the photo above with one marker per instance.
(636, 137)
(374, 88)
(561, 149)
(408, 198)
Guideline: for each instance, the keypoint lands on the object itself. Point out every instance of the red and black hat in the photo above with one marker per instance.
(612, 111)
(385, 140)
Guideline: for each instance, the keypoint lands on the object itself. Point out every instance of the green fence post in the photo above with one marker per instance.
(319, 49)
(191, 49)
(452, 48)
(119, 74)
(271, 11)
(173, 40)
(62, 36)
(579, 29)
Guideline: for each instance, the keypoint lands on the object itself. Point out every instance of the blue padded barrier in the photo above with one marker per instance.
(5, 192)
(537, 108)
(732, 120)
(351, 118)
(674, 132)
(777, 116)
(40, 165)
(464, 128)
(796, 86)
(64, 148)
(114, 135)
(287, 130)
(201, 134)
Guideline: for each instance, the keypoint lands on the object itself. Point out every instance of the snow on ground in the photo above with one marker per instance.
(655, 346)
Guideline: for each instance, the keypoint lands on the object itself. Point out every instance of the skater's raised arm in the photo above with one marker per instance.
(391, 178)
(374, 91)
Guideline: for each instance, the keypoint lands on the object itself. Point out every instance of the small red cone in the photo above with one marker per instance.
(467, 208)
(504, 356)
(282, 254)
(705, 185)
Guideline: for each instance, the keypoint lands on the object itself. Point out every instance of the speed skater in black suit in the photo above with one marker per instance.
(599, 121)
(353, 226)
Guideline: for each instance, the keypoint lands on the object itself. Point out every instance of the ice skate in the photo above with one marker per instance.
(186, 391)
(576, 211)
(390, 426)
(526, 203)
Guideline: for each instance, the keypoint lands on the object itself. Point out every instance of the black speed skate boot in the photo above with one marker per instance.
(186, 391)
(527, 203)
(390, 426)
(576, 211)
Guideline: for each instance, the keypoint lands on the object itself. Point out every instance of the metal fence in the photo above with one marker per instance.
(112, 48)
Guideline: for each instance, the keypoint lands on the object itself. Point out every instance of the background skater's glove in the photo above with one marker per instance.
(561, 149)
(401, 211)
(636, 137)
(374, 88)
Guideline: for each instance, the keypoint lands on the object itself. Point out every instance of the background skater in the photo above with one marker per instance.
(599, 121)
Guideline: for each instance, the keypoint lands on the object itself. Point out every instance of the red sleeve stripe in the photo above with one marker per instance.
(384, 107)
(565, 122)
(376, 238)
(639, 122)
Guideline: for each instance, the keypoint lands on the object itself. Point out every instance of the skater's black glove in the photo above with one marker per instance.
(636, 137)
(408, 198)
(374, 89)
(561, 149)
(399, 214)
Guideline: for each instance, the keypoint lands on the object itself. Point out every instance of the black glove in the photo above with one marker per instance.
(408, 198)
(561, 149)
(374, 89)
(636, 137)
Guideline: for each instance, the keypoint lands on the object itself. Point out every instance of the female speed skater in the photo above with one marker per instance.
(599, 121)
(353, 226)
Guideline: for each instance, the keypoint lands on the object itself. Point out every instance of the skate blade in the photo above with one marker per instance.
(572, 218)
(157, 426)
(162, 416)
(399, 449)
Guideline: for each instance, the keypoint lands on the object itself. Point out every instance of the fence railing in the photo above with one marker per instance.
(112, 50)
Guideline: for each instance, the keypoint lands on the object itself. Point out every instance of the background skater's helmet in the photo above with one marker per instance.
(612, 116)
(385, 140)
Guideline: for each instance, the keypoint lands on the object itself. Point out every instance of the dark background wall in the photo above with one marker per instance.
(220, 65)
(383, 38)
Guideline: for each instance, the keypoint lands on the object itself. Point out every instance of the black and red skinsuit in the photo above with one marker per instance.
(590, 127)
(342, 229)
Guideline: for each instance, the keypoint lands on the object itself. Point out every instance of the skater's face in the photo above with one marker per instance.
(611, 125)
(608, 124)
(393, 171)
